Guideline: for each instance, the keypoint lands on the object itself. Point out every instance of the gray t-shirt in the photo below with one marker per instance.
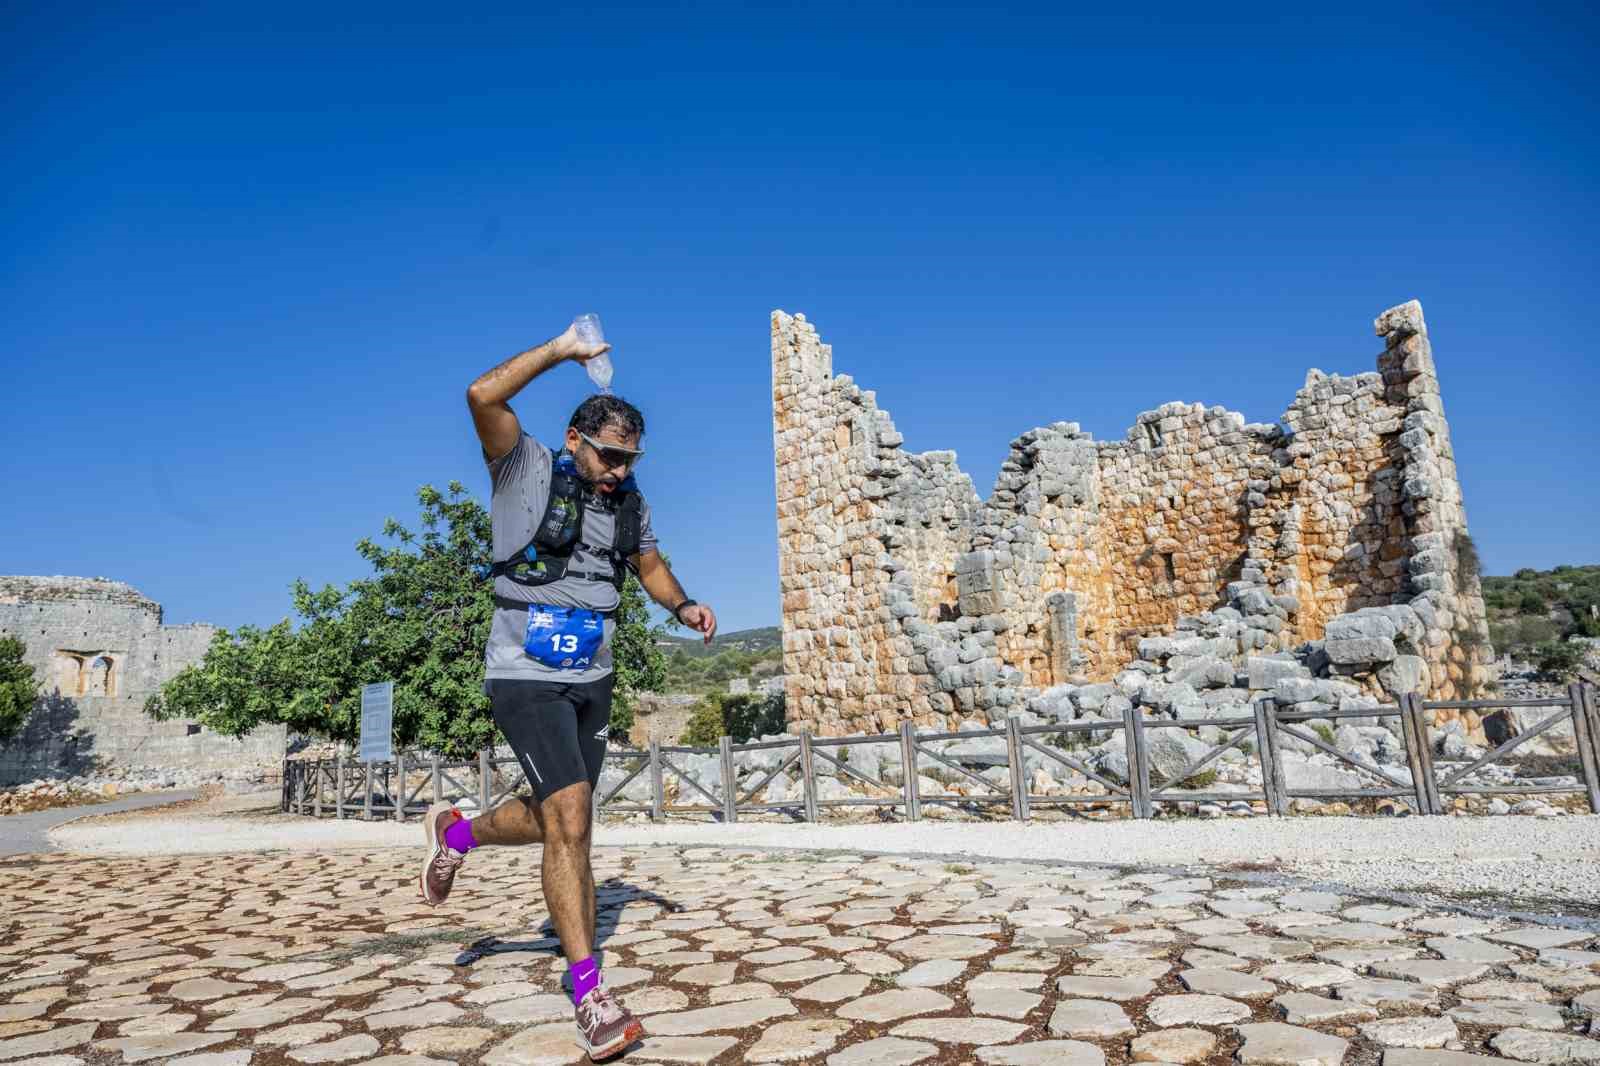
(521, 481)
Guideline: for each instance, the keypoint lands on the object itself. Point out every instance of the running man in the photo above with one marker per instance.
(566, 529)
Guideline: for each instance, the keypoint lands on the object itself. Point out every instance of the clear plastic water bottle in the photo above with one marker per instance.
(599, 368)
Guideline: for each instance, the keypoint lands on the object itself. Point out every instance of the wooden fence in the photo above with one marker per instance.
(345, 788)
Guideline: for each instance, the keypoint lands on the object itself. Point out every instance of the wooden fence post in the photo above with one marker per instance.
(1138, 766)
(1018, 767)
(730, 781)
(1427, 787)
(317, 804)
(1264, 753)
(485, 770)
(366, 801)
(658, 796)
(433, 772)
(1583, 732)
(338, 786)
(908, 770)
(399, 792)
(807, 775)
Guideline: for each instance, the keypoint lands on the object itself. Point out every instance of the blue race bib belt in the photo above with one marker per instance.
(564, 638)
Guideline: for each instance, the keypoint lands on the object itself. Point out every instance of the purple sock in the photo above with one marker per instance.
(585, 978)
(458, 837)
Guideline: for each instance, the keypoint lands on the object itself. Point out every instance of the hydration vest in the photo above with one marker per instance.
(548, 556)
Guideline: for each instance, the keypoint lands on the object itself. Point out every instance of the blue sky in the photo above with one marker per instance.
(250, 258)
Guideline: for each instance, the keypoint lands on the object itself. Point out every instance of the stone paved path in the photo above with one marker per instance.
(735, 957)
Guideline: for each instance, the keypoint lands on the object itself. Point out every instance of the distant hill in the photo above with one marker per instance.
(765, 639)
(1532, 606)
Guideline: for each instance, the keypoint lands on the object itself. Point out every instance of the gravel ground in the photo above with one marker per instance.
(1507, 858)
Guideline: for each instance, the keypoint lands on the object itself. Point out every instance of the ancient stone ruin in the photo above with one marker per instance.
(1193, 566)
(98, 650)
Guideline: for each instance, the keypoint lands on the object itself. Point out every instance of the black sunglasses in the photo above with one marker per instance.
(613, 456)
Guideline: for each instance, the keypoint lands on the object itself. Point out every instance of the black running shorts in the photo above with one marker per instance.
(558, 731)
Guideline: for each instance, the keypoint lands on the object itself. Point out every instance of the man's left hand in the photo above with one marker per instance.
(700, 617)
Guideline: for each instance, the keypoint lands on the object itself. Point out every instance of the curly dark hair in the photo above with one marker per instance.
(600, 411)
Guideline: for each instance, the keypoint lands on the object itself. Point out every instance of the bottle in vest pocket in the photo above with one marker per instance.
(564, 638)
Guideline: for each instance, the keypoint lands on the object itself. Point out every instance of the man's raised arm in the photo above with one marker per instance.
(489, 398)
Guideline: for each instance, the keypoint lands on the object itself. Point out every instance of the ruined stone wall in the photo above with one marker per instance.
(906, 597)
(98, 650)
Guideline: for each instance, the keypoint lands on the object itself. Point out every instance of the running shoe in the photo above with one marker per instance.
(440, 864)
(605, 1028)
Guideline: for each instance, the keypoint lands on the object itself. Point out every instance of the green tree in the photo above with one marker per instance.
(421, 620)
(17, 688)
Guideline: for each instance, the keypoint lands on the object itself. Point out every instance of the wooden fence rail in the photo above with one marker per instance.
(406, 786)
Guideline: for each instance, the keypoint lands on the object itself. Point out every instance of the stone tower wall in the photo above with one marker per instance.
(98, 650)
(906, 597)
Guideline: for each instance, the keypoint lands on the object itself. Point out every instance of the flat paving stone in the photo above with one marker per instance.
(1120, 989)
(1043, 1053)
(1173, 1045)
(1508, 1013)
(355, 1046)
(1002, 1002)
(964, 1031)
(725, 1016)
(1307, 974)
(1469, 949)
(795, 972)
(884, 1051)
(1539, 936)
(58, 1039)
(942, 946)
(743, 990)
(1387, 994)
(1090, 1018)
(707, 974)
(1277, 1044)
(1425, 1031)
(446, 1040)
(530, 1010)
(144, 1048)
(934, 973)
(1529, 991)
(1436, 973)
(542, 1045)
(1532, 1045)
(694, 1049)
(1256, 947)
(1169, 1011)
(835, 989)
(895, 1004)
(296, 1035)
(236, 1057)
(1217, 982)
(802, 1039)
(1412, 1057)
(1303, 1008)
(1559, 978)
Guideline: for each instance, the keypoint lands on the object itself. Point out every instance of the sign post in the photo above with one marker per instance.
(377, 722)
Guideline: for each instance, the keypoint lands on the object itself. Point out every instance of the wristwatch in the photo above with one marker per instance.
(677, 611)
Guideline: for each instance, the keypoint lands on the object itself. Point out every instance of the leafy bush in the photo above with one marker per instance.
(743, 717)
(17, 688)
(1559, 659)
(1531, 603)
(704, 728)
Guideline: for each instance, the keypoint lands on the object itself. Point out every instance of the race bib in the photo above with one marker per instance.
(564, 638)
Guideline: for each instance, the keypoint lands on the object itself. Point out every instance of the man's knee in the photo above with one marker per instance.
(566, 815)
